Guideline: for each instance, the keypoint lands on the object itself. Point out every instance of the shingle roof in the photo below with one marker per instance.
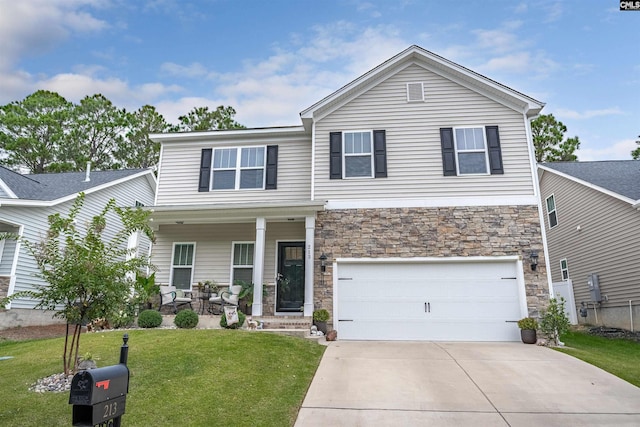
(619, 176)
(52, 186)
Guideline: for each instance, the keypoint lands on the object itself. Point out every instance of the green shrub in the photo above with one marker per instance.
(241, 319)
(528, 323)
(554, 321)
(321, 315)
(149, 319)
(186, 319)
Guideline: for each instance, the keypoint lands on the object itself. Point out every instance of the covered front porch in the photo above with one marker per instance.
(269, 245)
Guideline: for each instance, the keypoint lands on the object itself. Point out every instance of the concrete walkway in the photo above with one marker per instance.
(463, 384)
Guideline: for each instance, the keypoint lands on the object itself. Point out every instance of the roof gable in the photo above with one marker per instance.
(434, 63)
(621, 177)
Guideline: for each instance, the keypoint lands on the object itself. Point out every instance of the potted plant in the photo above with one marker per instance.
(320, 318)
(146, 289)
(528, 326)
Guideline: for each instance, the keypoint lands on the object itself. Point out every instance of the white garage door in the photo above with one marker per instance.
(455, 301)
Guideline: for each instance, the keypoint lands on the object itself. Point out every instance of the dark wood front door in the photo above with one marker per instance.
(290, 284)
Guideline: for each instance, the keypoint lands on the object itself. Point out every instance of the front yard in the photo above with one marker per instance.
(178, 377)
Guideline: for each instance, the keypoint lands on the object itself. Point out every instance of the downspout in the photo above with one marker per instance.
(536, 193)
(313, 160)
(631, 313)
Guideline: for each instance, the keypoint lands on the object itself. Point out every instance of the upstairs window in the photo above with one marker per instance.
(238, 168)
(471, 151)
(551, 211)
(358, 155)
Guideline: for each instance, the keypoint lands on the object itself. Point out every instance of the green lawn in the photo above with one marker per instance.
(618, 356)
(178, 377)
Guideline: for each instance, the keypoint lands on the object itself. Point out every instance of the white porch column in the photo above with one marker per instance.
(310, 228)
(258, 267)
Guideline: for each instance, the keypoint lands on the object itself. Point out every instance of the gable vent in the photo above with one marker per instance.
(415, 92)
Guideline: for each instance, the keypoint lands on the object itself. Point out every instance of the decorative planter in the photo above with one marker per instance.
(322, 326)
(528, 336)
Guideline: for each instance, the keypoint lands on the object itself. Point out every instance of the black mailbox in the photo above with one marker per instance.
(98, 395)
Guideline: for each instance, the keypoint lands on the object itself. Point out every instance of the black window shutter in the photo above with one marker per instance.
(205, 170)
(380, 153)
(448, 152)
(335, 155)
(495, 154)
(271, 180)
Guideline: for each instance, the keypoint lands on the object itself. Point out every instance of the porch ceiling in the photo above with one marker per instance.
(232, 213)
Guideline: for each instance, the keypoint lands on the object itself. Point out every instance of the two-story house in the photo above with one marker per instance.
(406, 204)
(592, 221)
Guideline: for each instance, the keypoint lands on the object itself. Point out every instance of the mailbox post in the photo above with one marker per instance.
(99, 395)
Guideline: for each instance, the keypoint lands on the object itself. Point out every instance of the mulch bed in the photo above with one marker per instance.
(606, 332)
(22, 333)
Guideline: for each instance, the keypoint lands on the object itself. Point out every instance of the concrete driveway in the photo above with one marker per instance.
(463, 384)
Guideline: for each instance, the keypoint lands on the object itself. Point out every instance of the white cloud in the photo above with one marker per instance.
(589, 114)
(31, 27)
(619, 150)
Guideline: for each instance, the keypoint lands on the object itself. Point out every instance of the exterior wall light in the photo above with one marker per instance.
(323, 262)
(534, 260)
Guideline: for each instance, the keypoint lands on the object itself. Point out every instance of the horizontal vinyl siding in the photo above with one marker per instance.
(180, 168)
(608, 242)
(214, 245)
(35, 221)
(414, 157)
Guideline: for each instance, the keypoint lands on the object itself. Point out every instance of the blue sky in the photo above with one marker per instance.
(272, 59)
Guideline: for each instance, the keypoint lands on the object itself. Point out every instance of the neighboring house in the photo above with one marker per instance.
(417, 183)
(592, 219)
(26, 201)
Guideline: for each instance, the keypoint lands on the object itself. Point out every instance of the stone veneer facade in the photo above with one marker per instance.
(431, 232)
(4, 286)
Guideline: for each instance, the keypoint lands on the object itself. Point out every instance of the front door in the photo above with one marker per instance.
(290, 284)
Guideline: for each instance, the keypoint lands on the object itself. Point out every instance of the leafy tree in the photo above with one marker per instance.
(635, 154)
(201, 119)
(32, 131)
(86, 267)
(548, 134)
(96, 129)
(136, 150)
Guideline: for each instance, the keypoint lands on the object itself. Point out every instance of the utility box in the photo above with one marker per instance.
(594, 287)
(99, 395)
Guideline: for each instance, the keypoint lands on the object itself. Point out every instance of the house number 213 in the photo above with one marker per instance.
(110, 410)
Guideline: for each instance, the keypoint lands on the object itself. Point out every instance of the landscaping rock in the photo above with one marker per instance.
(332, 335)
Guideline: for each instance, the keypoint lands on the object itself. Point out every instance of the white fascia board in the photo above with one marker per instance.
(7, 190)
(227, 134)
(618, 196)
(48, 203)
(432, 202)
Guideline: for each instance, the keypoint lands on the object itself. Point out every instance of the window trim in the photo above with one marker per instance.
(485, 150)
(345, 155)
(239, 168)
(554, 211)
(193, 262)
(233, 251)
(564, 270)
